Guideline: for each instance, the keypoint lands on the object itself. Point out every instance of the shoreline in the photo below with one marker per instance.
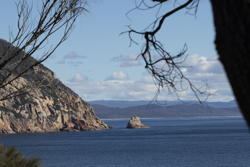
(186, 117)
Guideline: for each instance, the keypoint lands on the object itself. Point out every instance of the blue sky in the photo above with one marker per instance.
(98, 63)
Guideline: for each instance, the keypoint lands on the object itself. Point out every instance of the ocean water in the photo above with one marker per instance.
(182, 142)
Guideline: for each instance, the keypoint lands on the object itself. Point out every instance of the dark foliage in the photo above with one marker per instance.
(10, 157)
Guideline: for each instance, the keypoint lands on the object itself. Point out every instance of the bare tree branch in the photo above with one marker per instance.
(165, 68)
(55, 22)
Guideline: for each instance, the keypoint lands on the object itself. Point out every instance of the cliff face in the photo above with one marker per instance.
(45, 105)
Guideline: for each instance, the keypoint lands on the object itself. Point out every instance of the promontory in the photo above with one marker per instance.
(44, 103)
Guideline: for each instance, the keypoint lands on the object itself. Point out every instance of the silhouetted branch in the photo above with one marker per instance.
(55, 21)
(165, 68)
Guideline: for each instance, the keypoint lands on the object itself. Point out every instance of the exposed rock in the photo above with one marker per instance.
(135, 122)
(47, 106)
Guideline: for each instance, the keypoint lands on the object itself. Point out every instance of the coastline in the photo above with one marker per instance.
(170, 118)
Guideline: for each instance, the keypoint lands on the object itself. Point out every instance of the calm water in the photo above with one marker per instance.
(187, 142)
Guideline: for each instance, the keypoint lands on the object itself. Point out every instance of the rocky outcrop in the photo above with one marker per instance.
(135, 122)
(45, 104)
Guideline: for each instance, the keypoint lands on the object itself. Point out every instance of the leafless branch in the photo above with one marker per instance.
(55, 21)
(165, 68)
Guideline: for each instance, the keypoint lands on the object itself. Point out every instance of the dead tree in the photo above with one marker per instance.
(36, 35)
(232, 23)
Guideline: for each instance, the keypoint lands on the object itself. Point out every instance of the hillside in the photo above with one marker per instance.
(47, 106)
(124, 104)
(165, 111)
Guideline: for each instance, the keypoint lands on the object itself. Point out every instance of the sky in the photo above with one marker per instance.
(98, 63)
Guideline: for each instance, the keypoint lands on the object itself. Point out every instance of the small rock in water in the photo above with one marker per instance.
(135, 122)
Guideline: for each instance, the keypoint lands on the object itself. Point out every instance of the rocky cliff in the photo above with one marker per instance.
(135, 122)
(45, 104)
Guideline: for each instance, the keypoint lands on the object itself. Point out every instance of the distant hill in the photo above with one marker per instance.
(165, 111)
(125, 104)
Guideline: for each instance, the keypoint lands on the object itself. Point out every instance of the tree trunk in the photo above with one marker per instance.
(232, 25)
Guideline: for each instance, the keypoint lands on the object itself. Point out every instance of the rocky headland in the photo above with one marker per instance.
(135, 122)
(45, 104)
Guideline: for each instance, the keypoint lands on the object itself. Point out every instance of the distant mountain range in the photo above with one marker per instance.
(125, 104)
(164, 109)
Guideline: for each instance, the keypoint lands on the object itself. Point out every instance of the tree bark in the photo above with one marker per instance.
(232, 25)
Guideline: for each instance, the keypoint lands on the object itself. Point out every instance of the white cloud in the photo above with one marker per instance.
(206, 73)
(128, 61)
(78, 78)
(201, 64)
(120, 87)
(209, 72)
(118, 76)
(73, 55)
(71, 58)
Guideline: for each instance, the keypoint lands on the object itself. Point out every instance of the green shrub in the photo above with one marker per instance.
(10, 157)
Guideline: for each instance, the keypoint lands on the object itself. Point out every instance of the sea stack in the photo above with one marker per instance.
(135, 122)
(48, 106)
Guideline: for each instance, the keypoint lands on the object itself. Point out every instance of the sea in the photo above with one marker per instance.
(171, 142)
